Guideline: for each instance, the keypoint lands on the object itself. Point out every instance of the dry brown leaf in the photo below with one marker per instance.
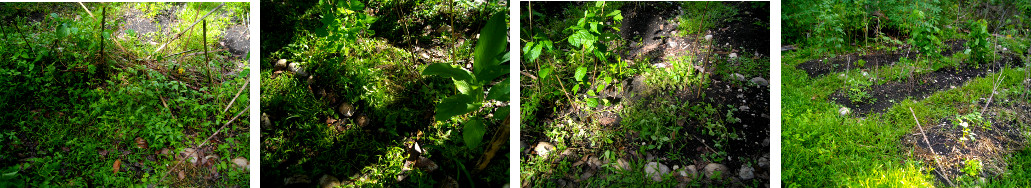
(118, 164)
(182, 175)
(141, 143)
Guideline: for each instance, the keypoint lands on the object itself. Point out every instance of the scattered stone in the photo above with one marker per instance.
(708, 37)
(426, 164)
(345, 110)
(543, 148)
(760, 81)
(299, 179)
(738, 77)
(733, 55)
(766, 142)
(281, 65)
(763, 162)
(656, 170)
(843, 111)
(743, 108)
(298, 70)
(241, 163)
(265, 122)
(711, 169)
(607, 121)
(328, 181)
(746, 173)
(687, 174)
(621, 164)
(594, 162)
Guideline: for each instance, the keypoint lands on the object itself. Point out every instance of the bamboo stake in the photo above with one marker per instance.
(931, 148)
(87, 10)
(162, 47)
(103, 20)
(207, 61)
(237, 95)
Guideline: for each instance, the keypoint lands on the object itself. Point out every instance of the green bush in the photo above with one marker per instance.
(978, 46)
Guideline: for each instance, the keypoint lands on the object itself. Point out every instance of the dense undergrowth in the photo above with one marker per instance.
(85, 107)
(384, 93)
(600, 108)
(959, 68)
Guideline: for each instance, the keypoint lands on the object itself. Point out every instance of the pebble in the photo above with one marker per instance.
(743, 108)
(738, 77)
(328, 181)
(746, 173)
(345, 110)
(656, 170)
(711, 169)
(760, 81)
(265, 122)
(708, 37)
(543, 148)
(763, 162)
(299, 179)
(687, 174)
(241, 163)
(281, 64)
(843, 111)
(733, 55)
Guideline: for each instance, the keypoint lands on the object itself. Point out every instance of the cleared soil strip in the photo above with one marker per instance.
(885, 95)
(819, 67)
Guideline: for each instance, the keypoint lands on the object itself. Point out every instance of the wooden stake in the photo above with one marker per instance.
(162, 47)
(87, 10)
(931, 148)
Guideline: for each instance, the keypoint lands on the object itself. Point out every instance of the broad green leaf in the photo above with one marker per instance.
(473, 132)
(592, 102)
(463, 80)
(576, 88)
(544, 72)
(532, 51)
(62, 31)
(581, 38)
(491, 44)
(501, 113)
(454, 105)
(580, 73)
(500, 91)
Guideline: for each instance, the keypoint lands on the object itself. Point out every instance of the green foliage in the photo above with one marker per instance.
(978, 46)
(701, 16)
(487, 67)
(679, 75)
(345, 21)
(924, 35)
(857, 90)
(589, 33)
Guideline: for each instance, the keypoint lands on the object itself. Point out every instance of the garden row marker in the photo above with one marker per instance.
(162, 47)
(931, 148)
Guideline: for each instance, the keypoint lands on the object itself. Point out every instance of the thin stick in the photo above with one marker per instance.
(212, 136)
(23, 37)
(187, 29)
(998, 80)
(204, 38)
(931, 148)
(237, 95)
(103, 19)
(87, 10)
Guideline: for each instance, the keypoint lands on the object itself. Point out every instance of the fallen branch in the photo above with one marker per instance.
(237, 95)
(162, 47)
(931, 148)
(998, 80)
(528, 75)
(209, 138)
(500, 137)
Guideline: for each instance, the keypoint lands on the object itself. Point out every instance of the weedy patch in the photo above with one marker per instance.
(86, 110)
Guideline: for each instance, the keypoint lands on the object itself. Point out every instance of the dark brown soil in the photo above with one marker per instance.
(883, 96)
(990, 146)
(819, 67)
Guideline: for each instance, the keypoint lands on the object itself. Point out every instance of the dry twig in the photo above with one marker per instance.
(931, 148)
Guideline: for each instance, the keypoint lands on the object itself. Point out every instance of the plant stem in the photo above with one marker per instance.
(204, 41)
(33, 51)
(931, 148)
(103, 19)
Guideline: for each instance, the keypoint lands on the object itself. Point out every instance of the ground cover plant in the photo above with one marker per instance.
(911, 94)
(385, 93)
(90, 102)
(624, 94)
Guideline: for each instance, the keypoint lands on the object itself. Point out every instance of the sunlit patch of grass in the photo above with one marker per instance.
(891, 175)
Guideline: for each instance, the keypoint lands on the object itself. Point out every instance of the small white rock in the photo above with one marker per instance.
(843, 111)
(746, 173)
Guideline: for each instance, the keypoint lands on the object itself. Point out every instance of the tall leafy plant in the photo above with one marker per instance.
(924, 35)
(589, 34)
(978, 46)
(488, 65)
(345, 22)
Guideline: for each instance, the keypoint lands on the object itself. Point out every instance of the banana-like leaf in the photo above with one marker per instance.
(454, 105)
(500, 91)
(492, 43)
(463, 79)
(473, 132)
